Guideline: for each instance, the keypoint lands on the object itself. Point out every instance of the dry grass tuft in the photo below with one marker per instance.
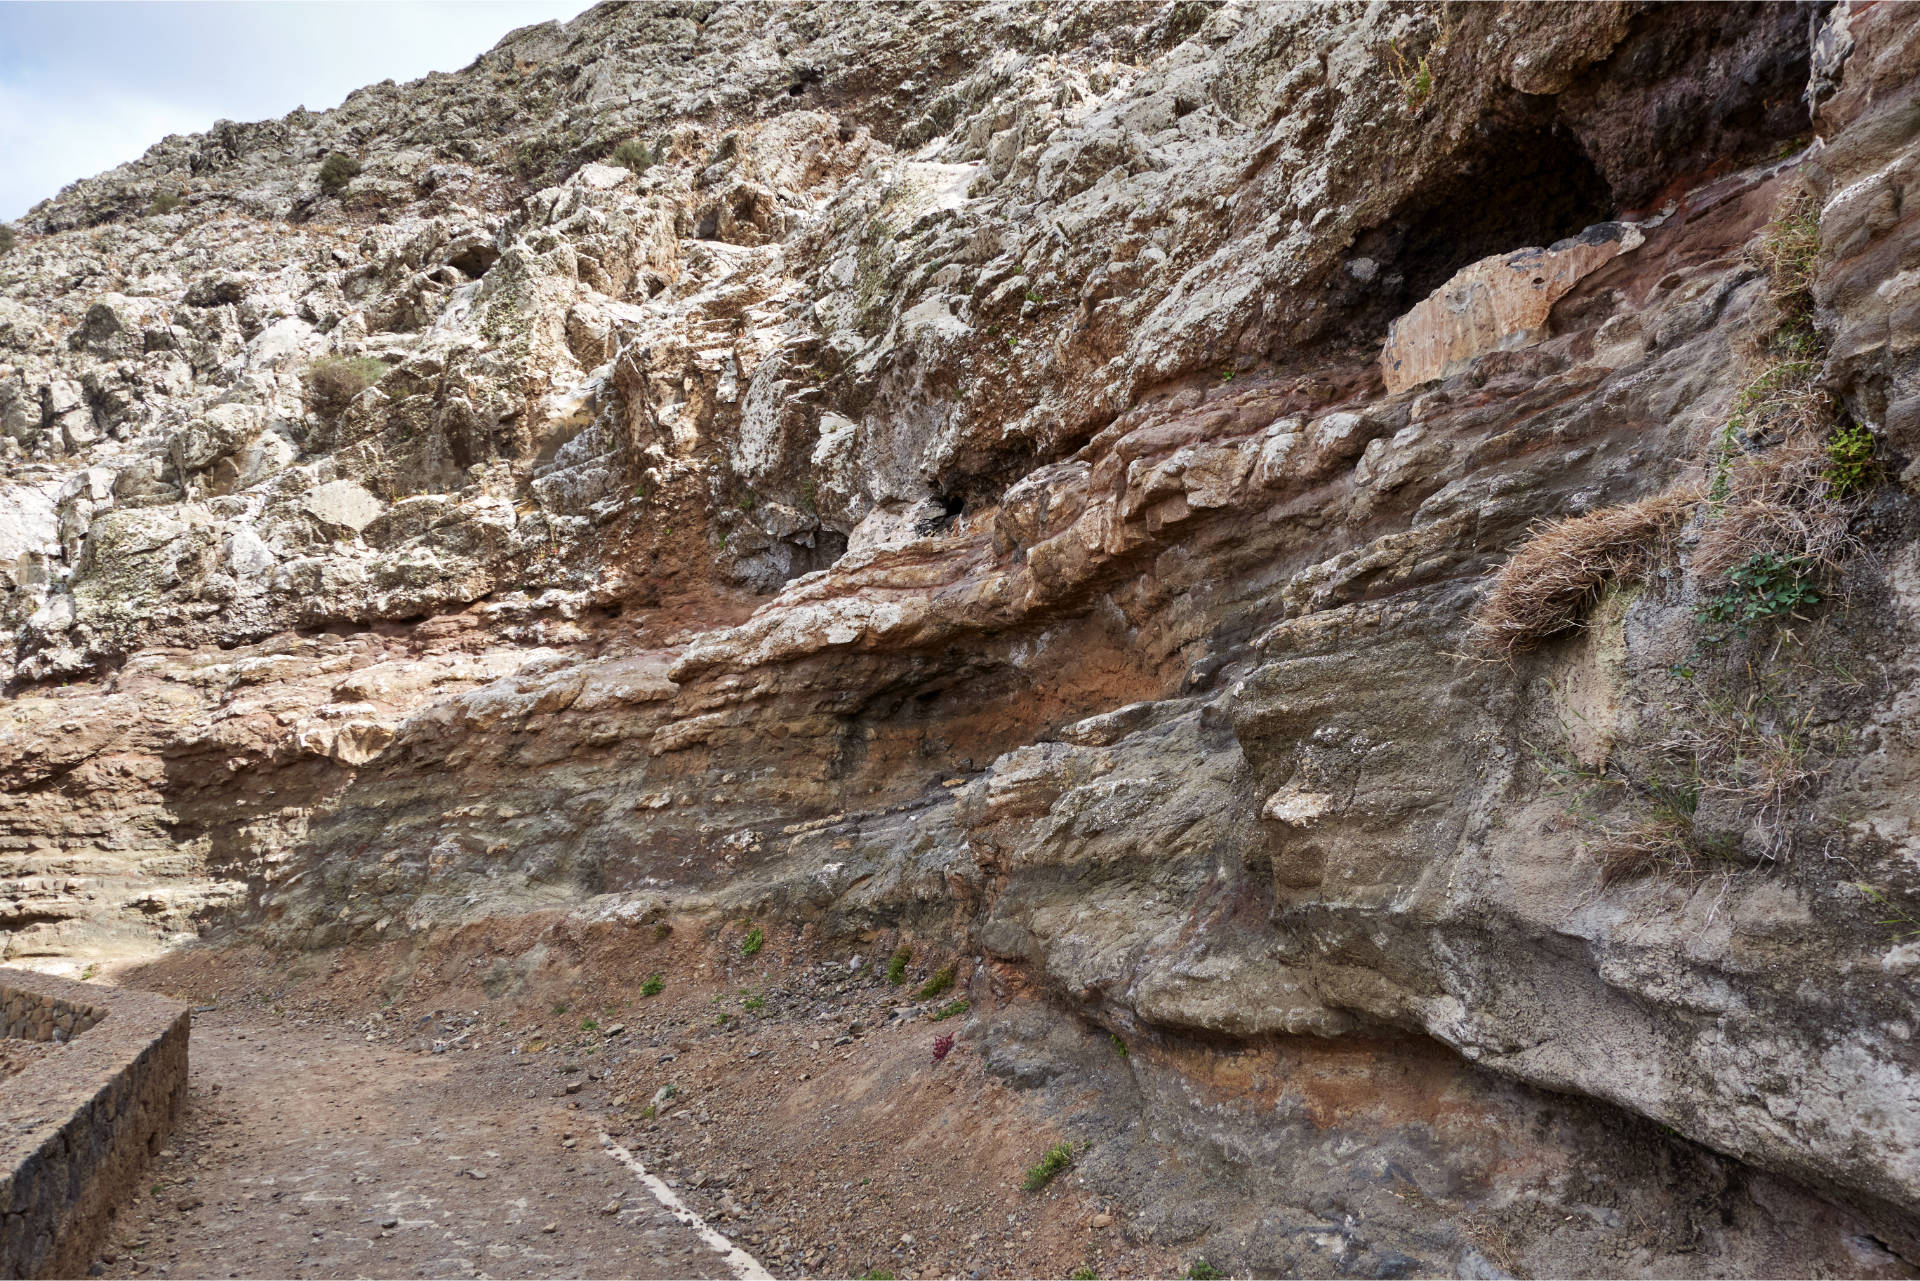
(1558, 574)
(332, 383)
(1658, 840)
(1753, 751)
(1775, 487)
(1787, 254)
(1781, 501)
(1756, 746)
(1639, 824)
(1779, 486)
(1724, 780)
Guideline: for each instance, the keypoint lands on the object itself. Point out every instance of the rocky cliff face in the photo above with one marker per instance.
(1026, 478)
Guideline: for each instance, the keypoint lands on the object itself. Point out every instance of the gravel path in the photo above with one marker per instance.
(308, 1152)
(791, 1101)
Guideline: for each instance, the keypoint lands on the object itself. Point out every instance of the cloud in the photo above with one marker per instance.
(85, 87)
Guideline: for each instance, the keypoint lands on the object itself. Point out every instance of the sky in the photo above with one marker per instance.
(86, 86)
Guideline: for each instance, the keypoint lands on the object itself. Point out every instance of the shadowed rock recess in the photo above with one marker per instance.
(945, 489)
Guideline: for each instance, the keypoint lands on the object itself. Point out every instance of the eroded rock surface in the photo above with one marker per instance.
(1497, 304)
(956, 487)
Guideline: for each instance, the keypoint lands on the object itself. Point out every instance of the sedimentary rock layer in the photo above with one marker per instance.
(948, 480)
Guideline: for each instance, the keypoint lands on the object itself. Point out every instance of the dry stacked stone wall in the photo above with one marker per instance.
(76, 1130)
(32, 1016)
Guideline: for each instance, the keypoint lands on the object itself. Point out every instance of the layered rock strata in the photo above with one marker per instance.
(956, 486)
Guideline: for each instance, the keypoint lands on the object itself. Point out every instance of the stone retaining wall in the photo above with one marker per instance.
(30, 1015)
(77, 1128)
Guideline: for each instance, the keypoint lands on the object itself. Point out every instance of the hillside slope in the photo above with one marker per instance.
(1071, 487)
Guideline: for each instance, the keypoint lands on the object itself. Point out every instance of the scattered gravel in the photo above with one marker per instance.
(17, 1055)
(792, 1101)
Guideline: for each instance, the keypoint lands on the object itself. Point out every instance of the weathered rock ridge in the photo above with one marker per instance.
(1021, 476)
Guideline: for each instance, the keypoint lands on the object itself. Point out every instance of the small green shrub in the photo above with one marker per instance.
(1203, 1271)
(1119, 1046)
(7, 238)
(333, 383)
(1042, 1172)
(934, 986)
(755, 940)
(653, 986)
(1766, 586)
(336, 171)
(754, 1003)
(1420, 85)
(1851, 466)
(560, 1007)
(165, 201)
(635, 155)
(953, 1010)
(876, 1274)
(588, 1025)
(1414, 76)
(897, 966)
(1083, 1274)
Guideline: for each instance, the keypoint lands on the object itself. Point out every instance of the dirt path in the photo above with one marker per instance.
(792, 1100)
(308, 1152)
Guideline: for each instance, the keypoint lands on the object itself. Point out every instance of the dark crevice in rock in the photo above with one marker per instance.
(1692, 88)
(1530, 183)
(949, 509)
(1691, 92)
(473, 263)
(822, 548)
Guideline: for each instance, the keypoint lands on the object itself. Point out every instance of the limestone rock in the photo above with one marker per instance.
(345, 504)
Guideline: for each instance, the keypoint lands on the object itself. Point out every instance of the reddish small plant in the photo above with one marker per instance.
(942, 1046)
